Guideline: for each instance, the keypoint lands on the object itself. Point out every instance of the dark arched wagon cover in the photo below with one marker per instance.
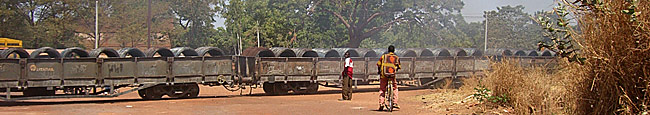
(457, 52)
(283, 52)
(322, 52)
(473, 52)
(305, 52)
(109, 52)
(133, 52)
(49, 51)
(422, 52)
(363, 52)
(185, 51)
(21, 53)
(380, 51)
(74, 52)
(405, 53)
(548, 53)
(258, 52)
(439, 51)
(499, 52)
(212, 51)
(532, 53)
(352, 51)
(162, 52)
(521, 53)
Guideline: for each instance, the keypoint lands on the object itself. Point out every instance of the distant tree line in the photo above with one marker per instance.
(292, 23)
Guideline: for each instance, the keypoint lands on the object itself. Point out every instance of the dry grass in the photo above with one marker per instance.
(534, 90)
(459, 101)
(618, 59)
(615, 78)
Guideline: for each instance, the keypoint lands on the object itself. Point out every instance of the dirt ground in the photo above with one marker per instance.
(217, 100)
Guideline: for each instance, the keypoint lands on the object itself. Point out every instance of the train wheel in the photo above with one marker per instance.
(281, 88)
(269, 88)
(299, 87)
(193, 90)
(312, 88)
(141, 93)
(190, 90)
(151, 93)
(175, 91)
(155, 92)
(275, 89)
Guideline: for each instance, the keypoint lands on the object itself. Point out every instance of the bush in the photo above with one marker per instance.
(534, 90)
(484, 94)
(611, 45)
(614, 40)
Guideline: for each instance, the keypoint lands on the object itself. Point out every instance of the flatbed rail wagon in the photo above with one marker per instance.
(178, 72)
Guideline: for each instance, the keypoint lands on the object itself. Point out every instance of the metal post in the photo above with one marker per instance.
(8, 93)
(149, 25)
(112, 89)
(258, 33)
(239, 43)
(486, 33)
(96, 24)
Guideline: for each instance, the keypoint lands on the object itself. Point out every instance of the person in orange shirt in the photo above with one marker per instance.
(388, 65)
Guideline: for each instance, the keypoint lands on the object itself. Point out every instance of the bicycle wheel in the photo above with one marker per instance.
(389, 92)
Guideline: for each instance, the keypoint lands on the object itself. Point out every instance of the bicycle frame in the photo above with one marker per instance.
(389, 95)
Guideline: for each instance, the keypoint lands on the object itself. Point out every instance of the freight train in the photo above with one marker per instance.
(178, 72)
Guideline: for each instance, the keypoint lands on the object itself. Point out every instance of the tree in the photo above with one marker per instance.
(123, 23)
(365, 18)
(39, 23)
(221, 39)
(511, 27)
(194, 19)
(321, 31)
(126, 19)
(277, 22)
(438, 26)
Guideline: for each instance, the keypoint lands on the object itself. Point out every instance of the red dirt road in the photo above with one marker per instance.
(217, 100)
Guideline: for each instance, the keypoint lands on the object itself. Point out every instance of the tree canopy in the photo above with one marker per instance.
(366, 18)
(511, 27)
(277, 23)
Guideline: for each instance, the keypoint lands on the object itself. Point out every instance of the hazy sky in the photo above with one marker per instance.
(473, 9)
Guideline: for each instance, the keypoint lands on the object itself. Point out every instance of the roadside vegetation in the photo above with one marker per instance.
(602, 67)
(267, 23)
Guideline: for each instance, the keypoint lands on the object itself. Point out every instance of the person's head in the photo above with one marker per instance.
(347, 54)
(391, 48)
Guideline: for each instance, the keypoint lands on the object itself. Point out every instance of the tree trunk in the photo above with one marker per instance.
(354, 42)
(355, 38)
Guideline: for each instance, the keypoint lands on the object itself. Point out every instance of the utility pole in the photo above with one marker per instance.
(486, 33)
(239, 44)
(258, 33)
(96, 24)
(149, 25)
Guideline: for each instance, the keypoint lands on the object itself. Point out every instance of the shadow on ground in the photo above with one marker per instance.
(28, 103)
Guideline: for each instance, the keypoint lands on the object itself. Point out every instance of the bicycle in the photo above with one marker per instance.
(388, 102)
